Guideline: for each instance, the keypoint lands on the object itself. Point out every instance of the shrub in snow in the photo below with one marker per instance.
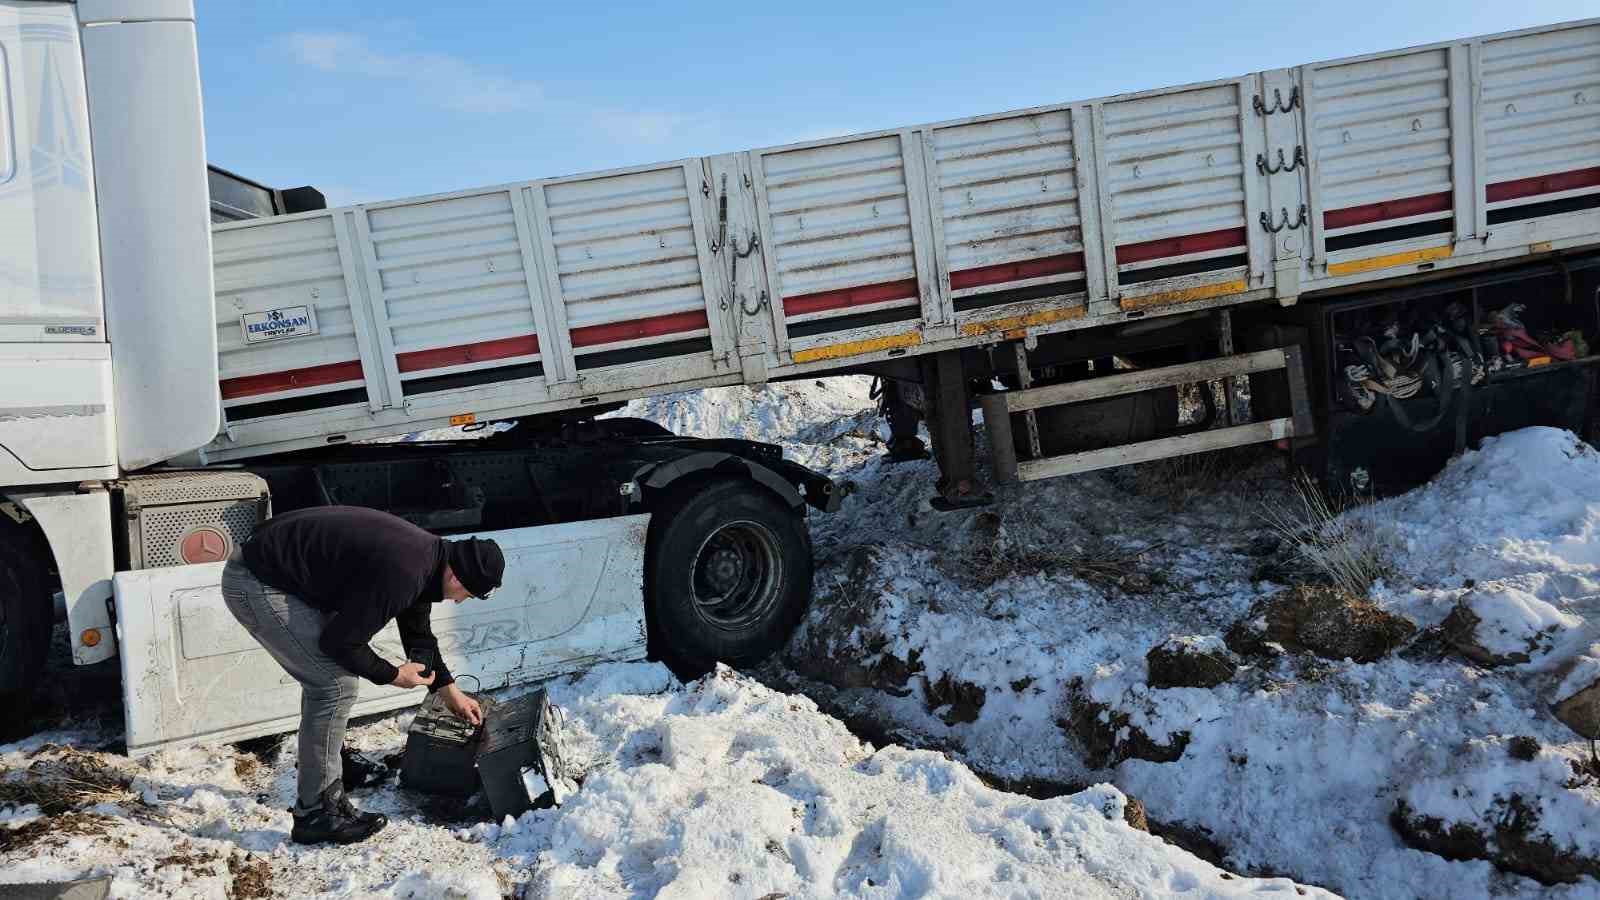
(1351, 551)
(1197, 662)
(1525, 816)
(1504, 626)
(1328, 622)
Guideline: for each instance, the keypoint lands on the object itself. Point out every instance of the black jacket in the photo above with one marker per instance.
(364, 567)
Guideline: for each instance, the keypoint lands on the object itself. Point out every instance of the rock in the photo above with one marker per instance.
(1493, 801)
(1104, 735)
(1578, 697)
(1195, 662)
(1135, 816)
(846, 638)
(1513, 843)
(963, 699)
(1326, 621)
(1523, 747)
(1504, 626)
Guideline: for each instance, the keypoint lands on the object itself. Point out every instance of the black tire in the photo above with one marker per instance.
(26, 618)
(727, 575)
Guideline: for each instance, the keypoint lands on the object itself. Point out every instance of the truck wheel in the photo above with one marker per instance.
(25, 622)
(728, 576)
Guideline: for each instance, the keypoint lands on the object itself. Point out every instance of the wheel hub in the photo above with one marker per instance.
(736, 575)
(724, 570)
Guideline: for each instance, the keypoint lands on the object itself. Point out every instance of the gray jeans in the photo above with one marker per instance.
(291, 631)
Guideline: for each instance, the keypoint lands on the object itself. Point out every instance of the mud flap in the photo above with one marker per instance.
(573, 596)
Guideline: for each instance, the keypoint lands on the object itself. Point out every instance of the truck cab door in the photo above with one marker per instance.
(572, 597)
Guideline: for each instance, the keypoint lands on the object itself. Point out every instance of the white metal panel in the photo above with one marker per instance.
(277, 264)
(49, 243)
(155, 235)
(1007, 203)
(1174, 188)
(454, 286)
(77, 526)
(572, 597)
(628, 265)
(838, 233)
(1381, 133)
(99, 12)
(1540, 106)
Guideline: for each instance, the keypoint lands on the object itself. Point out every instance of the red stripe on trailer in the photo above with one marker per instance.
(461, 354)
(1014, 271)
(633, 329)
(1544, 184)
(1368, 213)
(293, 379)
(845, 297)
(1180, 246)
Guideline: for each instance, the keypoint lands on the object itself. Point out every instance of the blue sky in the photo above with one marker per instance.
(374, 101)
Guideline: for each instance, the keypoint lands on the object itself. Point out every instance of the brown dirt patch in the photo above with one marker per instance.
(252, 877)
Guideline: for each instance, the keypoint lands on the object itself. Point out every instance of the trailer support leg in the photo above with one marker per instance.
(905, 444)
(949, 412)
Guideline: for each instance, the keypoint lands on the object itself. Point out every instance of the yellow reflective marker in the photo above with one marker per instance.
(1390, 260)
(856, 348)
(1186, 295)
(1026, 320)
(464, 419)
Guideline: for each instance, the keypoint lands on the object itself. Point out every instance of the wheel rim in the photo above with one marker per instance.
(737, 575)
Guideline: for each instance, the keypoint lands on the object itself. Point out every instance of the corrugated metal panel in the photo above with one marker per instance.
(1380, 130)
(628, 266)
(1541, 116)
(1008, 202)
(841, 241)
(273, 265)
(453, 285)
(1175, 178)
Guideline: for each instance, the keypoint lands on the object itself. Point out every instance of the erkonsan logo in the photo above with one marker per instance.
(272, 324)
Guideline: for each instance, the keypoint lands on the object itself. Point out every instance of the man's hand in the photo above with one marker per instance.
(410, 676)
(465, 708)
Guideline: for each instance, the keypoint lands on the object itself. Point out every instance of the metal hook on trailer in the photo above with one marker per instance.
(1266, 220)
(1267, 168)
(1262, 109)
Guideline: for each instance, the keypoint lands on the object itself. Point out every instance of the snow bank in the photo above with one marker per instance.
(722, 789)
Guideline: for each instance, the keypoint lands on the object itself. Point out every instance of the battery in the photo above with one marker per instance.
(520, 762)
(515, 757)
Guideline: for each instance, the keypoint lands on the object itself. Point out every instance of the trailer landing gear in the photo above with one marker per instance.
(948, 406)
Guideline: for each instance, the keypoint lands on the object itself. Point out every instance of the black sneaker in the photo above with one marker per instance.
(360, 772)
(336, 821)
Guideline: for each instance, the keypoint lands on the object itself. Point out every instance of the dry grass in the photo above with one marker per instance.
(53, 830)
(65, 781)
(1350, 552)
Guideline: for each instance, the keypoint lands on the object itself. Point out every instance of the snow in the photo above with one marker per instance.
(738, 787)
(721, 788)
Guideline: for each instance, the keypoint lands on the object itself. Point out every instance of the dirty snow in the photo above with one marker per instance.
(722, 788)
(1291, 769)
(1294, 766)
